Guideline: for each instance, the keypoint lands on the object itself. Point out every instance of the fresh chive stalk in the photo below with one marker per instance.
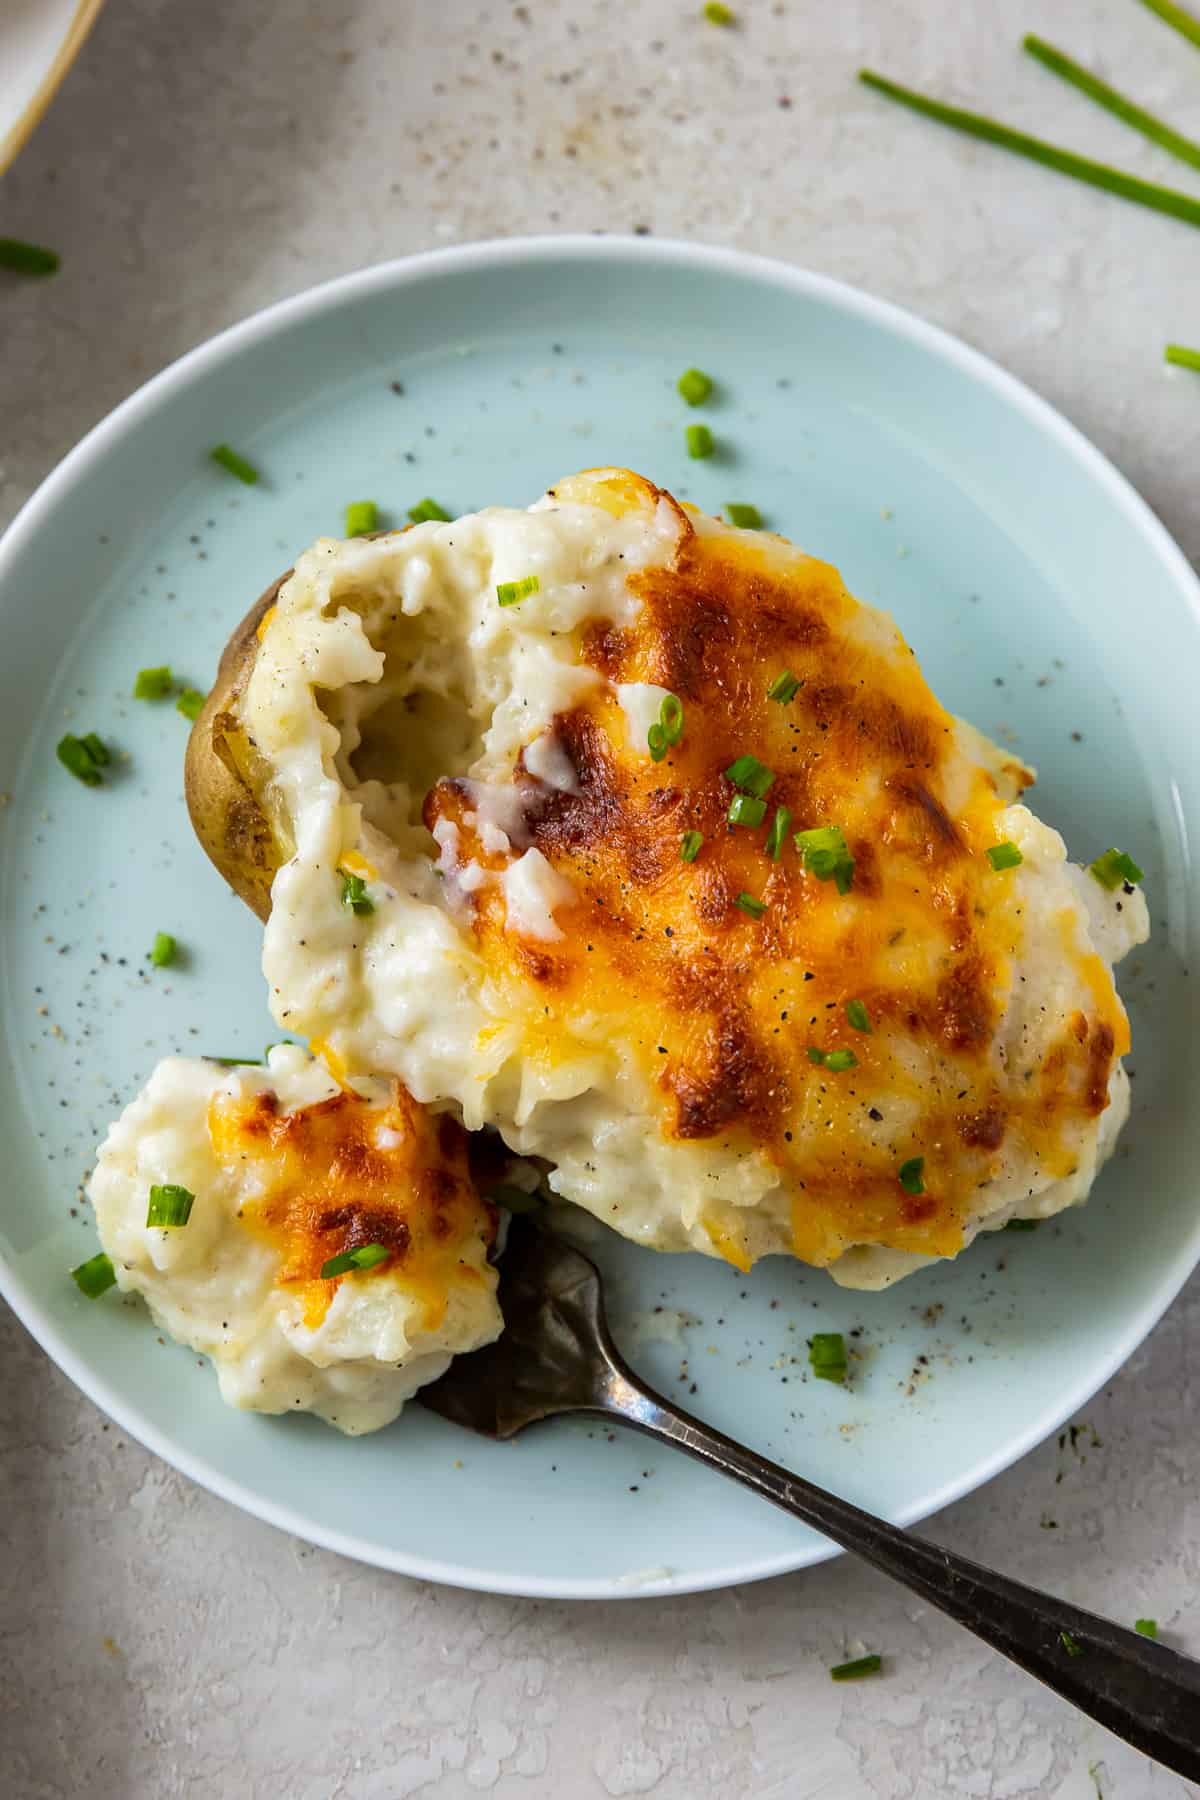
(699, 442)
(163, 950)
(511, 593)
(689, 846)
(1177, 17)
(1128, 111)
(233, 464)
(827, 1356)
(362, 516)
(854, 1671)
(95, 1276)
(1004, 856)
(153, 684)
(912, 1175)
(1181, 356)
(427, 509)
(27, 259)
(367, 1256)
(695, 386)
(191, 703)
(742, 514)
(169, 1206)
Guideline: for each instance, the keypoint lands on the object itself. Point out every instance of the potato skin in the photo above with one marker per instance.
(234, 831)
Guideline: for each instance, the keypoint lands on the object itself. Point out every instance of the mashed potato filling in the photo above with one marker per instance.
(288, 1170)
(677, 1036)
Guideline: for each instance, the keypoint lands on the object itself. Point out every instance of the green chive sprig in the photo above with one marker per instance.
(170, 1206)
(1114, 867)
(667, 730)
(1178, 17)
(362, 516)
(689, 846)
(1146, 1627)
(717, 14)
(750, 776)
(95, 1276)
(777, 836)
(27, 259)
(911, 1175)
(1181, 356)
(1066, 162)
(1004, 856)
(1070, 1643)
(837, 1061)
(163, 950)
(699, 442)
(84, 757)
(355, 895)
(511, 593)
(753, 908)
(153, 684)
(827, 855)
(1128, 111)
(747, 809)
(827, 1356)
(367, 1256)
(854, 1671)
(743, 515)
(858, 1016)
(695, 386)
(233, 464)
(784, 688)
(191, 703)
(428, 509)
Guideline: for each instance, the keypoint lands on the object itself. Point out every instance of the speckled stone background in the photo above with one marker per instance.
(206, 157)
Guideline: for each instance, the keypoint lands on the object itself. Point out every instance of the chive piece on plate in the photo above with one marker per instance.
(717, 14)
(1181, 356)
(854, 1671)
(1080, 168)
(670, 717)
(827, 1356)
(1146, 1627)
(699, 441)
(695, 386)
(355, 896)
(511, 593)
(750, 775)
(777, 835)
(77, 755)
(1004, 856)
(236, 1062)
(1128, 111)
(837, 1061)
(1114, 867)
(169, 1206)
(784, 688)
(95, 1276)
(96, 748)
(362, 516)
(191, 703)
(827, 855)
(27, 259)
(153, 684)
(1178, 17)
(816, 1056)
(743, 515)
(163, 949)
(427, 509)
(912, 1175)
(234, 464)
(689, 846)
(859, 1017)
(656, 741)
(1070, 1644)
(748, 904)
(367, 1256)
(747, 809)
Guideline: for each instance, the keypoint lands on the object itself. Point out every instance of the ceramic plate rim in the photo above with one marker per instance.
(477, 258)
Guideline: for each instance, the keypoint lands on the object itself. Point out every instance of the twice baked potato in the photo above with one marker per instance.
(639, 839)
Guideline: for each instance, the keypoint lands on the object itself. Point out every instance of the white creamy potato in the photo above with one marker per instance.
(672, 1024)
(286, 1171)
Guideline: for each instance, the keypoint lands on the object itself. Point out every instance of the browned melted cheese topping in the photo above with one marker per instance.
(721, 1008)
(339, 1174)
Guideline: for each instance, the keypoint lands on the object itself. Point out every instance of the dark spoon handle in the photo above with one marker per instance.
(1139, 1689)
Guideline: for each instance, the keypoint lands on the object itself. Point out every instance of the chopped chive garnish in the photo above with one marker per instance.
(742, 514)
(1184, 22)
(1146, 1627)
(689, 846)
(77, 755)
(1081, 168)
(778, 833)
(236, 1062)
(235, 464)
(784, 688)
(753, 777)
(1181, 356)
(367, 1256)
(27, 259)
(355, 896)
(1070, 1644)
(361, 516)
(656, 740)
(1004, 856)
(191, 703)
(854, 1671)
(858, 1015)
(716, 14)
(816, 1056)
(1128, 111)
(837, 1061)
(747, 809)
(827, 855)
(670, 716)
(95, 1276)
(1113, 868)
(748, 904)
(912, 1175)
(1022, 1224)
(511, 593)
(162, 950)
(513, 1199)
(169, 1205)
(153, 684)
(827, 1356)
(699, 442)
(425, 510)
(96, 748)
(695, 386)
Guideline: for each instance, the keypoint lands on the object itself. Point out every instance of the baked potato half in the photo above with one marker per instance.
(223, 776)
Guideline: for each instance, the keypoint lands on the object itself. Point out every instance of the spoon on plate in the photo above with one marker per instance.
(556, 1356)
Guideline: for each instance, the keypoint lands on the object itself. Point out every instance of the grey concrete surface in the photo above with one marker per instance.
(206, 157)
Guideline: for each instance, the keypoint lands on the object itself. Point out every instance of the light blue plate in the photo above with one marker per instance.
(1046, 604)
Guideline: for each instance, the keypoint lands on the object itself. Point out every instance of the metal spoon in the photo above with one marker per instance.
(556, 1356)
